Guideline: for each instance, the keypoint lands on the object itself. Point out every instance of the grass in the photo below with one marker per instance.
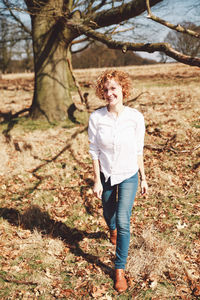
(54, 242)
(196, 124)
(26, 124)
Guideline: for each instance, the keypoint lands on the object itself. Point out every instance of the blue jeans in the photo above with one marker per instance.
(117, 213)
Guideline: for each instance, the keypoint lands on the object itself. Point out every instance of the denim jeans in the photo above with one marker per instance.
(117, 213)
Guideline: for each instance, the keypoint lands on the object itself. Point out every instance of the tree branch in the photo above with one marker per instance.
(75, 81)
(7, 4)
(83, 48)
(126, 46)
(80, 41)
(178, 27)
(15, 40)
(119, 14)
(115, 31)
(98, 6)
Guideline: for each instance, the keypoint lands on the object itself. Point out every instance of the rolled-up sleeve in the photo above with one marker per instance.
(140, 132)
(92, 134)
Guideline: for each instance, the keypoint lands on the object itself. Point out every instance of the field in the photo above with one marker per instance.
(54, 242)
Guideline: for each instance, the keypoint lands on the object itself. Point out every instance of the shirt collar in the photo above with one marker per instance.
(114, 116)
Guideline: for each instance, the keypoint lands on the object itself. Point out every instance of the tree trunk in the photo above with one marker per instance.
(52, 97)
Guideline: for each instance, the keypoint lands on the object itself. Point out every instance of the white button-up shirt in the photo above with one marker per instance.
(116, 142)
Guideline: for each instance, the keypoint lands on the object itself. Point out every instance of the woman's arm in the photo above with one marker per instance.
(97, 189)
(143, 183)
(94, 151)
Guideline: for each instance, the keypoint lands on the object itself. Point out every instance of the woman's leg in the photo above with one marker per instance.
(109, 203)
(126, 195)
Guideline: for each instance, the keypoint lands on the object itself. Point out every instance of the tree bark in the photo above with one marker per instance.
(55, 24)
(51, 43)
(51, 47)
(119, 14)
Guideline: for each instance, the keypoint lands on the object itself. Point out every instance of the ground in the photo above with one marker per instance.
(54, 242)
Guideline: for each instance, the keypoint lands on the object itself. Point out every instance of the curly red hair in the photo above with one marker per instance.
(120, 77)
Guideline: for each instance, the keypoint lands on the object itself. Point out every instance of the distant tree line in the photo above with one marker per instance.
(98, 56)
(18, 66)
(16, 54)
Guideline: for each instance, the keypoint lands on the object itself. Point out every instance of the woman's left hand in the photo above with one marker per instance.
(144, 187)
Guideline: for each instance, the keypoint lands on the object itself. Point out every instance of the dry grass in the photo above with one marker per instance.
(54, 239)
(156, 263)
(150, 256)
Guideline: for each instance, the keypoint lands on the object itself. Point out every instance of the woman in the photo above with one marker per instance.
(116, 135)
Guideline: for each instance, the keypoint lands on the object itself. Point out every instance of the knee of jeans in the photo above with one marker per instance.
(123, 226)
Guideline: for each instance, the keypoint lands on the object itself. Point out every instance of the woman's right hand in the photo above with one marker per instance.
(98, 189)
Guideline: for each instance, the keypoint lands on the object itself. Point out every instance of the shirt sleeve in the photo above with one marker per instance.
(140, 132)
(92, 132)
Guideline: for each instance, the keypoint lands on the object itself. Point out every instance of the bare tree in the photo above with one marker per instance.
(184, 43)
(7, 34)
(56, 25)
(28, 59)
(12, 36)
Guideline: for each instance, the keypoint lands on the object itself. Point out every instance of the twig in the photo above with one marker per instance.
(79, 41)
(75, 81)
(10, 9)
(178, 27)
(134, 99)
(122, 30)
(83, 48)
(6, 279)
(185, 151)
(114, 29)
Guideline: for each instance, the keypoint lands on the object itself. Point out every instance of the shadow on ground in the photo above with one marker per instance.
(35, 218)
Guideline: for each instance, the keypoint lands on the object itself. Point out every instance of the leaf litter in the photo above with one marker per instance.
(53, 237)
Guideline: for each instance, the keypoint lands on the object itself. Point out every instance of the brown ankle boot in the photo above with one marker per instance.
(113, 236)
(120, 281)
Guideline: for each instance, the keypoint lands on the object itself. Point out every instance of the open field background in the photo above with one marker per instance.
(54, 241)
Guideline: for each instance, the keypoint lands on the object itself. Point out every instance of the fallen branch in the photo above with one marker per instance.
(134, 99)
(10, 280)
(185, 151)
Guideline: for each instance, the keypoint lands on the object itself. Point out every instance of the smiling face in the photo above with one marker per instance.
(113, 92)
